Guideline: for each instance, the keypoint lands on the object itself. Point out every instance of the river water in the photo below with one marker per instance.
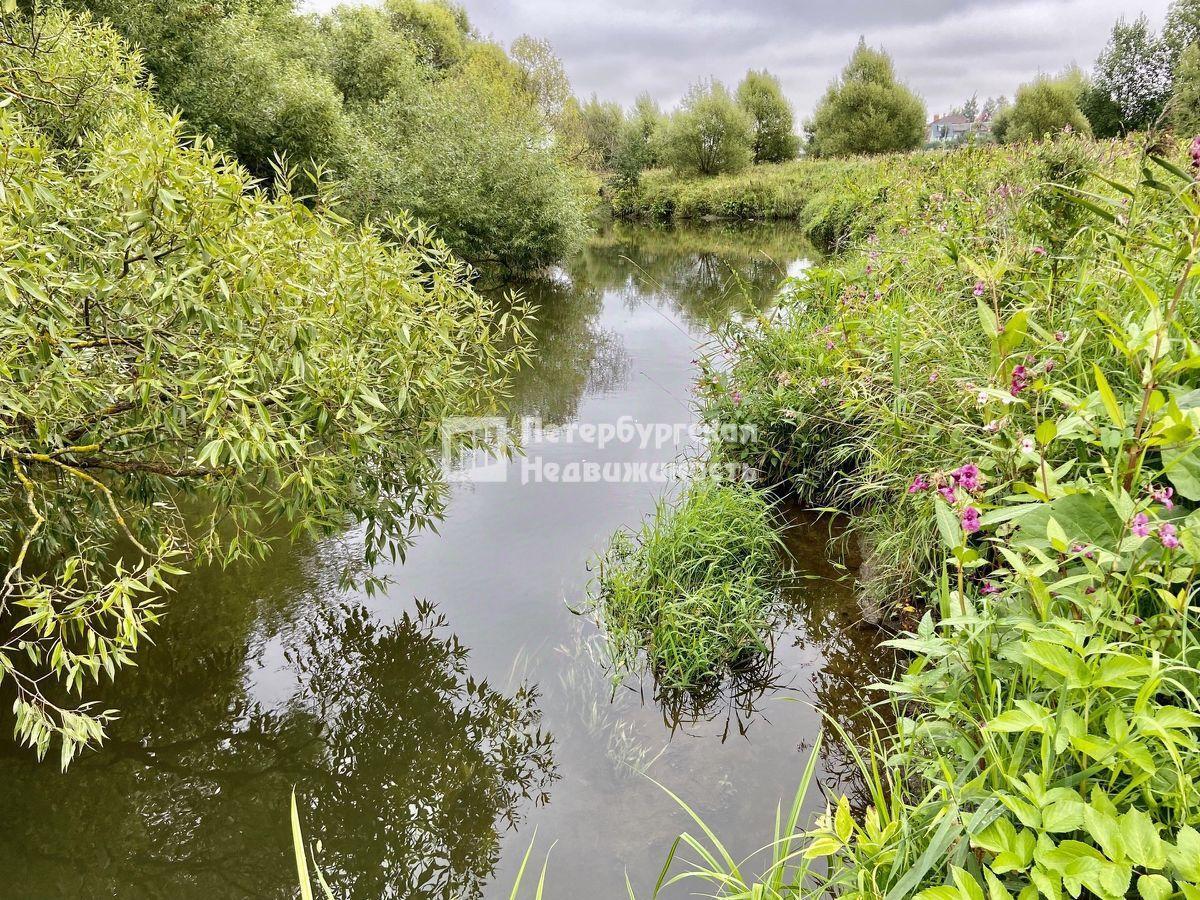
(432, 725)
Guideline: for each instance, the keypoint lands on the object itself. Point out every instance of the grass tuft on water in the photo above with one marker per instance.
(695, 589)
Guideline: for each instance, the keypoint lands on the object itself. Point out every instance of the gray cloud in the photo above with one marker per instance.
(944, 49)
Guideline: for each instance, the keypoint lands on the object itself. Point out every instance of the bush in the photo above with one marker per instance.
(193, 367)
(695, 590)
(1185, 100)
(1043, 108)
(866, 110)
(709, 134)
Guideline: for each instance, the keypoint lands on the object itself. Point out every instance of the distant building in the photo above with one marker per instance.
(956, 128)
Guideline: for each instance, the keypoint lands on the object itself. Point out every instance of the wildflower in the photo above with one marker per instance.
(1020, 380)
(992, 427)
(829, 345)
(982, 399)
(947, 492)
(1166, 534)
(978, 289)
(1163, 495)
(1027, 445)
(824, 382)
(970, 520)
(918, 484)
(1196, 152)
(737, 398)
(989, 588)
(1077, 548)
(1140, 526)
(1060, 336)
(1049, 365)
(967, 477)
(1039, 250)
(933, 377)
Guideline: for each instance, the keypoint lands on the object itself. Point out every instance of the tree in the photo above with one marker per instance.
(191, 367)
(1182, 28)
(1185, 99)
(761, 95)
(709, 134)
(603, 123)
(1044, 107)
(970, 109)
(1101, 111)
(636, 149)
(866, 110)
(1134, 70)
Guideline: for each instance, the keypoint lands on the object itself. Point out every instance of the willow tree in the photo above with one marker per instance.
(709, 134)
(866, 110)
(191, 368)
(761, 95)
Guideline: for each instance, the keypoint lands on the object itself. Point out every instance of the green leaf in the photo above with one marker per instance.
(1185, 855)
(1109, 399)
(1154, 887)
(1143, 846)
(1182, 468)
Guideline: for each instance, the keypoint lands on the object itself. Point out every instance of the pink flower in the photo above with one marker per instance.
(933, 376)
(918, 484)
(989, 588)
(970, 520)
(1166, 534)
(1196, 152)
(737, 398)
(829, 345)
(1163, 495)
(978, 289)
(967, 477)
(1020, 380)
(947, 492)
(1060, 336)
(1039, 250)
(1049, 365)
(1140, 526)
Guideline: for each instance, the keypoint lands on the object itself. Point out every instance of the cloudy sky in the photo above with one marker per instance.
(945, 49)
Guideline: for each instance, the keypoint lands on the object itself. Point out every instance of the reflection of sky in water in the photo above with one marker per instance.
(250, 666)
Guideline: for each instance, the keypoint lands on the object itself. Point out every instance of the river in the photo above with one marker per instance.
(432, 723)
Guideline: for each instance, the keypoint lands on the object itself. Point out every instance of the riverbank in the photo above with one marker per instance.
(996, 379)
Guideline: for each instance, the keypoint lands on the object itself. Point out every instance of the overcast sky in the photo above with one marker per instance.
(945, 49)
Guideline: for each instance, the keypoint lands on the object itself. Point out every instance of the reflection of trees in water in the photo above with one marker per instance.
(409, 766)
(706, 275)
(826, 623)
(574, 354)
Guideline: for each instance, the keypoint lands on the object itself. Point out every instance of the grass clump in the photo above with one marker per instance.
(695, 589)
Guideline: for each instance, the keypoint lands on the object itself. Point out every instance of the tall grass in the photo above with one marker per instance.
(694, 592)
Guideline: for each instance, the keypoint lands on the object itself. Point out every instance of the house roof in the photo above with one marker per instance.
(954, 119)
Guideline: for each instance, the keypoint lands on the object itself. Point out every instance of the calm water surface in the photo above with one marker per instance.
(430, 726)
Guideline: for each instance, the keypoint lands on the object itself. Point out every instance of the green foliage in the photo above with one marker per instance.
(1185, 98)
(461, 155)
(635, 151)
(190, 367)
(1134, 70)
(380, 95)
(866, 110)
(1101, 111)
(761, 95)
(695, 590)
(1045, 107)
(709, 134)
(604, 131)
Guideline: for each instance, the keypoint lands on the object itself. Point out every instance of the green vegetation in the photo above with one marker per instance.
(997, 380)
(761, 95)
(403, 102)
(192, 366)
(709, 134)
(695, 590)
(1044, 108)
(866, 110)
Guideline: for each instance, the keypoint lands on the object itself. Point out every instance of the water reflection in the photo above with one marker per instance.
(412, 768)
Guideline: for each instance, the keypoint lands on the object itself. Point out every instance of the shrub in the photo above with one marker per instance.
(1045, 107)
(866, 110)
(1185, 100)
(191, 367)
(709, 134)
(695, 589)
